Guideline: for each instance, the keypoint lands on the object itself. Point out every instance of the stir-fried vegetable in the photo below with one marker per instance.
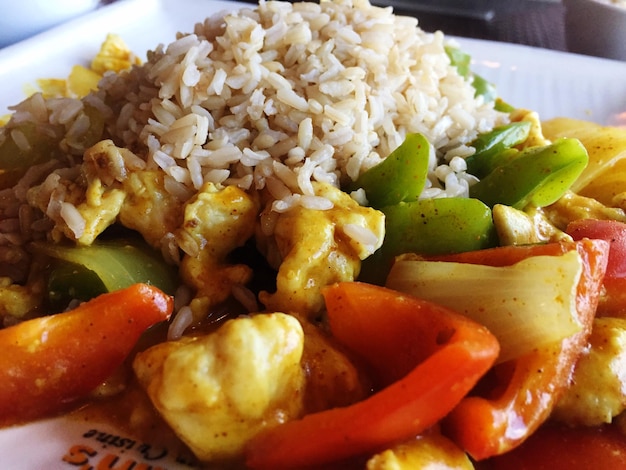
(426, 358)
(435, 226)
(431, 227)
(24, 146)
(82, 272)
(479, 345)
(50, 362)
(491, 148)
(537, 176)
(400, 177)
(606, 146)
(526, 306)
(524, 390)
(613, 300)
(20, 148)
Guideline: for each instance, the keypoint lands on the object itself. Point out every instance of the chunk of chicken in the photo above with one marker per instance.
(111, 184)
(598, 390)
(99, 210)
(430, 451)
(149, 208)
(78, 213)
(216, 221)
(219, 390)
(516, 227)
(545, 224)
(318, 247)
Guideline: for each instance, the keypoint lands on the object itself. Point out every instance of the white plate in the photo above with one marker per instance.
(553, 83)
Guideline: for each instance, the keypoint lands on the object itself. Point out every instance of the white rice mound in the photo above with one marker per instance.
(284, 94)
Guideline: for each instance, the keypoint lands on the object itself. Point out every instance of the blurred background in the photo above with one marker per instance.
(532, 22)
(538, 23)
(592, 27)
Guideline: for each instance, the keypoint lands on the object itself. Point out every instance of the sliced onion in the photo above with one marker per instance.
(526, 305)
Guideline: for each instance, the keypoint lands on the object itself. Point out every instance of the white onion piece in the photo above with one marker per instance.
(526, 305)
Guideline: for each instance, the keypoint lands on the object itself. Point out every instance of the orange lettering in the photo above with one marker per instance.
(79, 455)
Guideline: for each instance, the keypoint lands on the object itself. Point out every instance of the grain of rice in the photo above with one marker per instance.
(9, 225)
(277, 188)
(182, 320)
(458, 164)
(195, 172)
(286, 203)
(20, 140)
(177, 189)
(245, 297)
(169, 249)
(315, 202)
(73, 218)
(243, 182)
(163, 160)
(216, 176)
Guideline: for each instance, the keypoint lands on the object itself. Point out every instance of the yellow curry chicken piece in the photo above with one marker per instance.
(217, 391)
(99, 210)
(116, 188)
(517, 227)
(149, 208)
(79, 214)
(316, 248)
(598, 391)
(216, 221)
(430, 451)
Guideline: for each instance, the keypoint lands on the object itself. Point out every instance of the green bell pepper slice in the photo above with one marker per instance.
(69, 281)
(538, 176)
(399, 177)
(490, 147)
(83, 272)
(430, 227)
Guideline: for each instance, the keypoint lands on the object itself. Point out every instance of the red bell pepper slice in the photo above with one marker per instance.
(50, 362)
(524, 390)
(425, 358)
(613, 300)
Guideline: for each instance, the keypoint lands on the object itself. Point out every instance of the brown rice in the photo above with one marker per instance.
(274, 98)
